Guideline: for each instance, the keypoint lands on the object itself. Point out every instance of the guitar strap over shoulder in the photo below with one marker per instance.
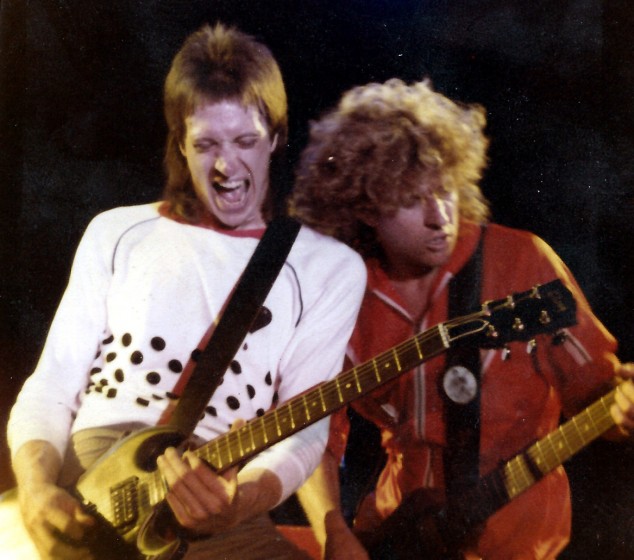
(240, 311)
(461, 386)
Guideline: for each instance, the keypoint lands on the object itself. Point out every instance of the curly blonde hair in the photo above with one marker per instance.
(367, 156)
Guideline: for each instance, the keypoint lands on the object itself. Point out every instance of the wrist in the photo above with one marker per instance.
(334, 521)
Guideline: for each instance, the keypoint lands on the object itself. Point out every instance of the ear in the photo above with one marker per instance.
(274, 142)
(181, 147)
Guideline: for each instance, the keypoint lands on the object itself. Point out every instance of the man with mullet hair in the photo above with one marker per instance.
(147, 286)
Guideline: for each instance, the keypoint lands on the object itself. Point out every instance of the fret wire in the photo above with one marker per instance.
(306, 408)
(591, 419)
(551, 449)
(331, 390)
(396, 360)
(338, 390)
(356, 378)
(321, 397)
(249, 428)
(220, 461)
(290, 414)
(418, 350)
(572, 437)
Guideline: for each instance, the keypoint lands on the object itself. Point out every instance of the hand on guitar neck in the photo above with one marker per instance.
(623, 408)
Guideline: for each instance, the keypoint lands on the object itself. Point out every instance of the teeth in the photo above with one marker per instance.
(229, 186)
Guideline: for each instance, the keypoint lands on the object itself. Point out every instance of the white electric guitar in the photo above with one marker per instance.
(126, 493)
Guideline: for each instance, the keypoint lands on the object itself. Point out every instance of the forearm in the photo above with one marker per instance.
(320, 498)
(259, 491)
(36, 462)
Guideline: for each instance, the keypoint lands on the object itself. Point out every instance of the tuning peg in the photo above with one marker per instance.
(531, 345)
(559, 338)
(491, 332)
(544, 318)
(518, 325)
(506, 353)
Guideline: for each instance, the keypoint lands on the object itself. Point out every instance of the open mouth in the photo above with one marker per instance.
(438, 243)
(232, 192)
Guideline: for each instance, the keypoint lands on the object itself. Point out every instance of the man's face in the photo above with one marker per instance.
(228, 150)
(421, 236)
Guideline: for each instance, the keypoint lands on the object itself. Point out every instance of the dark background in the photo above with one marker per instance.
(81, 130)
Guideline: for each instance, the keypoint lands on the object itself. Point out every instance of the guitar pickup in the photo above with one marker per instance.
(125, 503)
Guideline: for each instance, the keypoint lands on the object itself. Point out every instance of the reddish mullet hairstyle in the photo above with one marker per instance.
(213, 65)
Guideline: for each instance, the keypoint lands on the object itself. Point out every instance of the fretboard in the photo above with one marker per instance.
(260, 433)
(520, 473)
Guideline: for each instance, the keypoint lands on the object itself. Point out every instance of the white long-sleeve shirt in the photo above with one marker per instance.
(144, 290)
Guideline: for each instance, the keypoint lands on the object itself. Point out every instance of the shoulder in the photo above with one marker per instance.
(321, 255)
(514, 238)
(519, 258)
(110, 225)
(123, 217)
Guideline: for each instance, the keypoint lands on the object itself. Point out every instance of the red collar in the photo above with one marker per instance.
(468, 238)
(166, 211)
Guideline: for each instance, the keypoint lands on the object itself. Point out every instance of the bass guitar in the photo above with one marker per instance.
(126, 493)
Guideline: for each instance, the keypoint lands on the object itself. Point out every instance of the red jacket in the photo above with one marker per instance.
(522, 398)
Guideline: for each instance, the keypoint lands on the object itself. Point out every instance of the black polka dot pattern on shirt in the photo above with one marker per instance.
(262, 319)
(136, 358)
(175, 366)
(122, 357)
(157, 343)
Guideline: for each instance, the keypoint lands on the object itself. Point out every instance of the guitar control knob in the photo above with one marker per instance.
(518, 325)
(544, 318)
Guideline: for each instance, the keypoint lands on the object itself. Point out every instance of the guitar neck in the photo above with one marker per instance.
(521, 316)
(255, 436)
(542, 457)
(260, 433)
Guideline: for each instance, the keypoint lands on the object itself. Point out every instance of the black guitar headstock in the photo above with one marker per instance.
(543, 309)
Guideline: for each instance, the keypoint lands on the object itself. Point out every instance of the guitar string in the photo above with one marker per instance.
(546, 452)
(334, 389)
(347, 379)
(229, 441)
(233, 439)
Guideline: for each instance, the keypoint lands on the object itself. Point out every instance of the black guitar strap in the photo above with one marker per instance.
(461, 387)
(240, 312)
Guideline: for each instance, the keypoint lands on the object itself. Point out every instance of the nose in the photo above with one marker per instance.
(224, 162)
(435, 211)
